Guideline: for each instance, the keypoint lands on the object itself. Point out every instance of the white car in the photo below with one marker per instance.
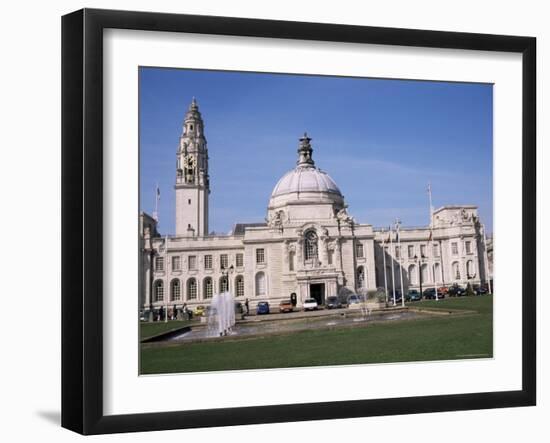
(310, 304)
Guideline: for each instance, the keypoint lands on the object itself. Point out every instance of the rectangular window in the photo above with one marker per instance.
(159, 263)
(260, 256)
(359, 253)
(291, 260)
(224, 262)
(239, 261)
(330, 256)
(397, 252)
(436, 250)
(423, 250)
(207, 262)
(192, 262)
(176, 263)
(454, 248)
(411, 251)
(468, 247)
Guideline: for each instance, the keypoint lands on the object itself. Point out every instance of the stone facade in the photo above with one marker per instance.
(309, 244)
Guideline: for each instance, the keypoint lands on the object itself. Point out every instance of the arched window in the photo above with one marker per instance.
(239, 286)
(413, 280)
(360, 277)
(470, 269)
(224, 284)
(158, 290)
(311, 245)
(260, 283)
(191, 289)
(437, 272)
(175, 290)
(425, 273)
(208, 289)
(456, 271)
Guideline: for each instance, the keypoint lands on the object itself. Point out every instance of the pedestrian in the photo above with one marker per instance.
(186, 311)
(175, 313)
(247, 307)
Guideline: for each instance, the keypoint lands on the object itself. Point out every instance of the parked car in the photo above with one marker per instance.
(429, 294)
(199, 311)
(333, 302)
(413, 295)
(398, 297)
(354, 299)
(480, 290)
(443, 289)
(286, 306)
(262, 308)
(310, 304)
(456, 291)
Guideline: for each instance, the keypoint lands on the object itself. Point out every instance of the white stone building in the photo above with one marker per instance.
(309, 244)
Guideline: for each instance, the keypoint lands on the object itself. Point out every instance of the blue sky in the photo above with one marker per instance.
(381, 141)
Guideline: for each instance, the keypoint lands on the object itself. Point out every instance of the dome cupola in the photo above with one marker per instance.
(306, 185)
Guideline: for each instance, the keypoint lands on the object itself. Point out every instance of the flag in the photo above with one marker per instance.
(158, 192)
(431, 235)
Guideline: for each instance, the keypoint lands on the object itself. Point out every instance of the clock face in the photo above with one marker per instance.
(189, 161)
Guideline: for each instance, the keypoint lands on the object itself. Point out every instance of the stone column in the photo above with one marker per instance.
(299, 254)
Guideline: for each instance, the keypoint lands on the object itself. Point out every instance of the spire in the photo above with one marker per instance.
(193, 124)
(304, 151)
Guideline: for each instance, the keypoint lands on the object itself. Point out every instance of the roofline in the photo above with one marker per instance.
(455, 207)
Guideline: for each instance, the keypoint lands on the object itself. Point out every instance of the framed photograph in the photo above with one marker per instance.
(269, 221)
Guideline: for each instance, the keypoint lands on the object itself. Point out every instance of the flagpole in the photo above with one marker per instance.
(392, 267)
(432, 239)
(397, 224)
(384, 255)
(433, 263)
(157, 198)
(167, 286)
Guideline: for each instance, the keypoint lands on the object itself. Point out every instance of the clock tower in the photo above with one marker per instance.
(192, 182)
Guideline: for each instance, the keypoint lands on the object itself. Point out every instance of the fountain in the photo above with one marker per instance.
(221, 315)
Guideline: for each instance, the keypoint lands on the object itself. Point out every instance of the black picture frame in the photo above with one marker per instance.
(82, 218)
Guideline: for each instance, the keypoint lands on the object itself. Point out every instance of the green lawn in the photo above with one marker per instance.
(147, 329)
(445, 337)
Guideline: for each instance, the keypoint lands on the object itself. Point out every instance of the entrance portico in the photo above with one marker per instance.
(318, 288)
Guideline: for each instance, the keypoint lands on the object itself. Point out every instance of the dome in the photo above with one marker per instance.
(305, 179)
(306, 185)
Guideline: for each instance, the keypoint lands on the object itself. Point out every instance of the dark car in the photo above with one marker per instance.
(429, 294)
(262, 308)
(456, 291)
(480, 290)
(333, 302)
(398, 297)
(413, 295)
